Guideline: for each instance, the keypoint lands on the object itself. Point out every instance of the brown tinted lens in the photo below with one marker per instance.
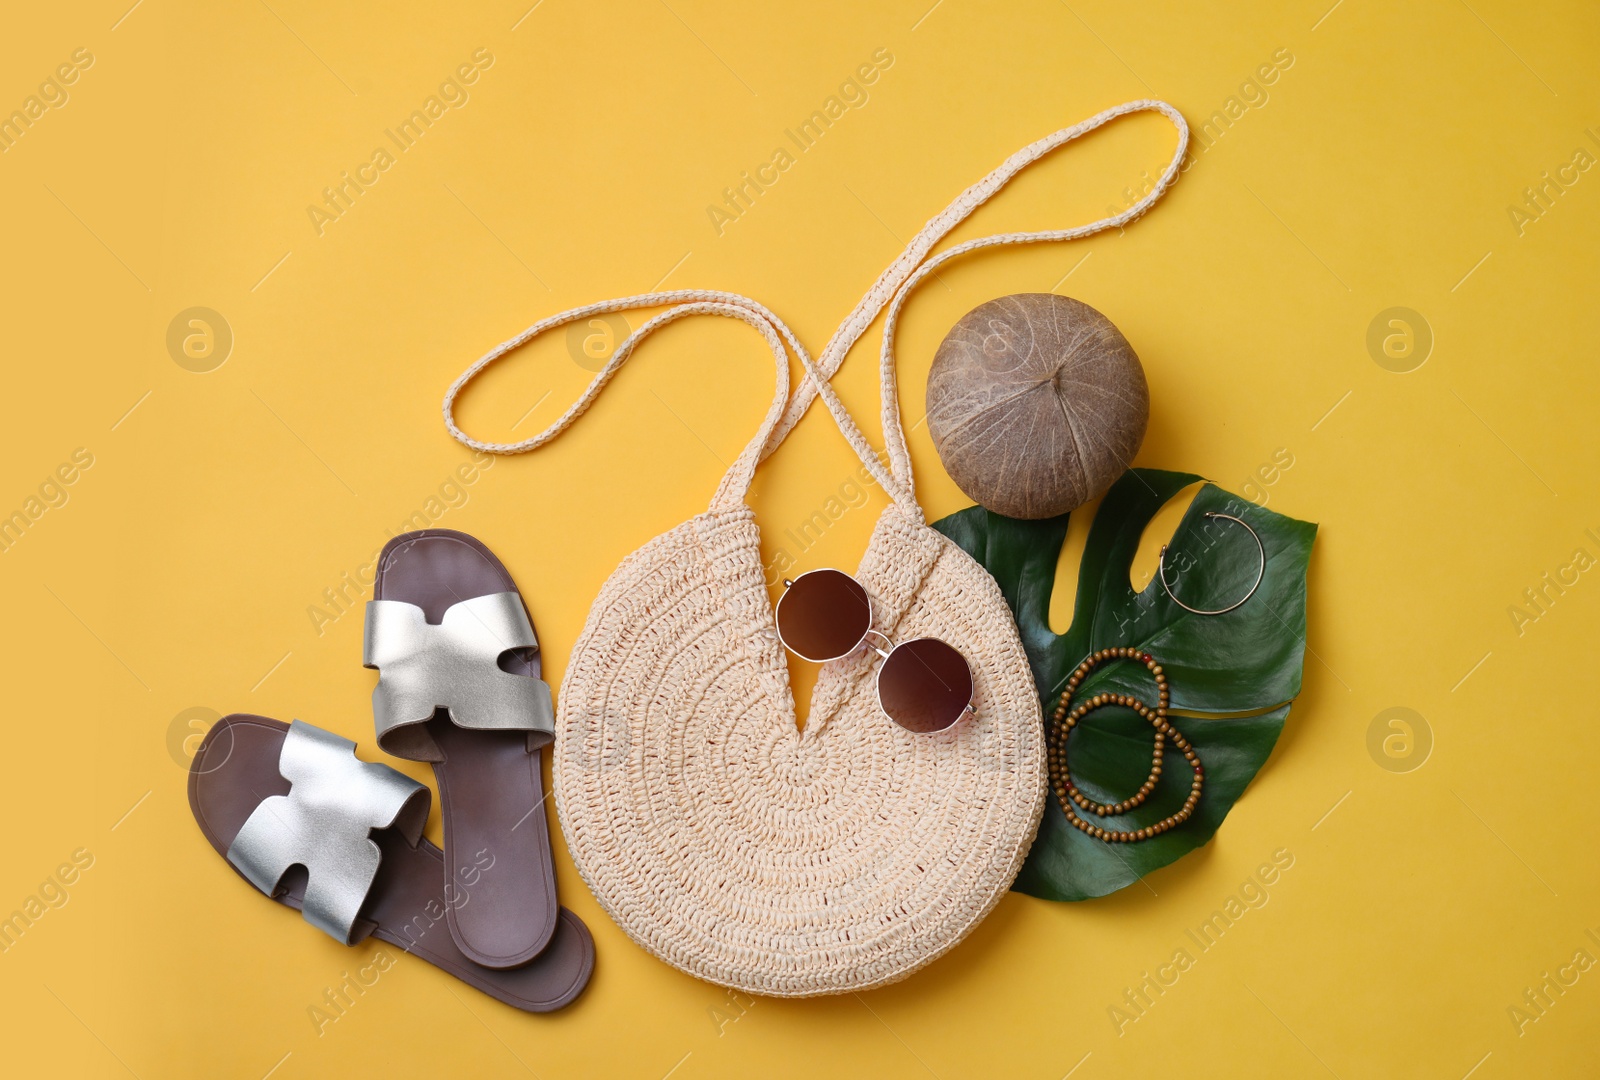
(824, 615)
(925, 685)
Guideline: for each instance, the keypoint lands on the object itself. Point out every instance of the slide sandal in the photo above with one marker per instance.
(340, 840)
(458, 686)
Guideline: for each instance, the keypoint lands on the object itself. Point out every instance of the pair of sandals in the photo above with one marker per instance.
(340, 840)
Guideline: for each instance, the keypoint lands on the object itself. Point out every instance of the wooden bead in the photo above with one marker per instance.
(1067, 793)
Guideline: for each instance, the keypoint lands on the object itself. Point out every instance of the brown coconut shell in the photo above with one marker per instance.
(1036, 404)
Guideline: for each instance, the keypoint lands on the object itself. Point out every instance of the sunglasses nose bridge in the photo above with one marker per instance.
(883, 653)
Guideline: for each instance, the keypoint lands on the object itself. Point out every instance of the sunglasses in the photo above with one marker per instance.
(924, 685)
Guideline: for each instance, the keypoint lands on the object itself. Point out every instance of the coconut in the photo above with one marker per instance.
(1036, 404)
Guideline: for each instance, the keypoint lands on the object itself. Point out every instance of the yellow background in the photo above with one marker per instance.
(1420, 905)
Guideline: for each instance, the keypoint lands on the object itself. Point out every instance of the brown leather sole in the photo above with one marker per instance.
(491, 786)
(236, 768)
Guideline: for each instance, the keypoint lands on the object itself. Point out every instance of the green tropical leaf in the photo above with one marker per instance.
(1235, 673)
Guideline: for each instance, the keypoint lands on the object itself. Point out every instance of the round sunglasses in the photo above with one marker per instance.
(924, 685)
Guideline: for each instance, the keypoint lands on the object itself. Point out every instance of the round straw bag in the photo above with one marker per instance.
(722, 837)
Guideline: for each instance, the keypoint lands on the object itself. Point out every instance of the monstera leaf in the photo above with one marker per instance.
(1233, 675)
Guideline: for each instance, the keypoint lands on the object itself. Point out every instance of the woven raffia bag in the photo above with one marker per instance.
(722, 837)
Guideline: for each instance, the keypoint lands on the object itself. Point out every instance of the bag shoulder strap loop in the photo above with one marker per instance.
(680, 304)
(895, 284)
(891, 290)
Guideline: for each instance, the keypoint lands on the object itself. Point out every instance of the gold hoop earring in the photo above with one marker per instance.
(1161, 567)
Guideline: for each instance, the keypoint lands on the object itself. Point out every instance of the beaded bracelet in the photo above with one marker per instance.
(1102, 809)
(1064, 721)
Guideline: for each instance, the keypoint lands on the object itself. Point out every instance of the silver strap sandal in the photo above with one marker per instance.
(459, 686)
(454, 666)
(325, 823)
(308, 824)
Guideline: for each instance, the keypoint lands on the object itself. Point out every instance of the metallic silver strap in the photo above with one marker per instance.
(455, 666)
(323, 825)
